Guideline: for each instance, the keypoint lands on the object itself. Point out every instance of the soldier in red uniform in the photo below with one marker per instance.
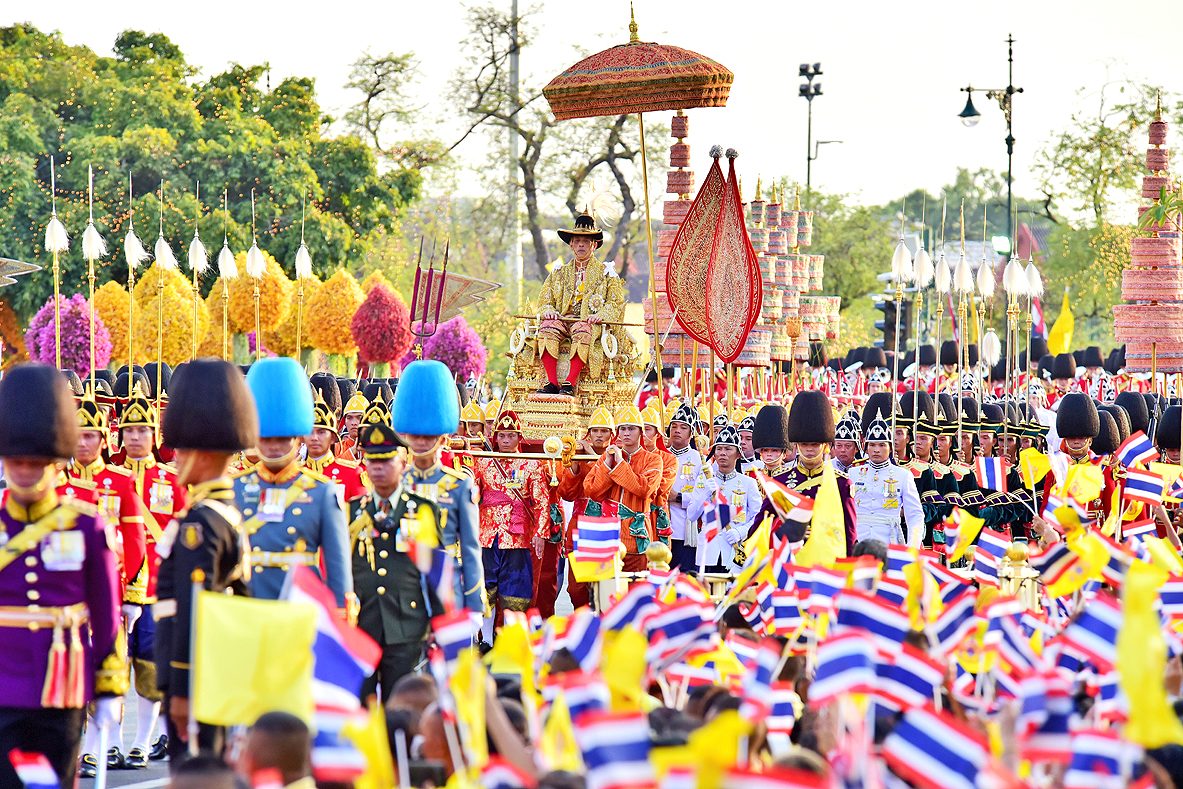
(321, 459)
(601, 429)
(115, 496)
(157, 486)
(59, 584)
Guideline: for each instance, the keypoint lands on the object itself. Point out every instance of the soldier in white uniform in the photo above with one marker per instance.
(883, 490)
(742, 494)
(684, 532)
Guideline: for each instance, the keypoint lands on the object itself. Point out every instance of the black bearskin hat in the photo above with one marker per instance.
(1092, 357)
(771, 430)
(1120, 417)
(1167, 435)
(1135, 408)
(1063, 366)
(326, 385)
(1107, 440)
(1077, 417)
(949, 352)
(210, 408)
(38, 417)
(811, 420)
(928, 355)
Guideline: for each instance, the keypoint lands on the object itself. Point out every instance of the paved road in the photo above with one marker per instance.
(155, 775)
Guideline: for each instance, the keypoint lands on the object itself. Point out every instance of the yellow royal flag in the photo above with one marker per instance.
(1085, 482)
(557, 745)
(624, 668)
(251, 657)
(968, 529)
(1033, 467)
(827, 534)
(468, 688)
(513, 654)
(368, 735)
(1059, 339)
(1142, 660)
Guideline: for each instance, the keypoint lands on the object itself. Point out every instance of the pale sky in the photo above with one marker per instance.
(891, 70)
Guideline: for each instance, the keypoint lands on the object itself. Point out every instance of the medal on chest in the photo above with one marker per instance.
(272, 506)
(160, 497)
(891, 493)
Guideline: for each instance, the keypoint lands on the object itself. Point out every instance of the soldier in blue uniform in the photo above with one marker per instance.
(426, 411)
(59, 584)
(290, 512)
(209, 419)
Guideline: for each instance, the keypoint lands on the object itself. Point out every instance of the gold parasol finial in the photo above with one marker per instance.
(1158, 106)
(758, 194)
(632, 25)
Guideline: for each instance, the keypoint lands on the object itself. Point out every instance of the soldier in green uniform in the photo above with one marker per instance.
(396, 603)
(209, 419)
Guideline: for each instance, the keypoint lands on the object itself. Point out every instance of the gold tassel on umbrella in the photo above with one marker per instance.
(256, 266)
(57, 241)
(93, 248)
(227, 270)
(198, 264)
(165, 259)
(134, 252)
(303, 272)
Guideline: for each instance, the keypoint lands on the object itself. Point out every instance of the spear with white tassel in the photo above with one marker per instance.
(93, 248)
(134, 252)
(255, 267)
(165, 259)
(198, 264)
(227, 270)
(57, 241)
(303, 271)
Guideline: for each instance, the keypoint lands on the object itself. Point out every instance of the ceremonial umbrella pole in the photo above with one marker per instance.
(165, 260)
(942, 283)
(963, 283)
(986, 286)
(636, 78)
(303, 272)
(256, 266)
(93, 248)
(56, 242)
(135, 254)
(1034, 291)
(923, 272)
(902, 272)
(227, 270)
(1014, 284)
(198, 264)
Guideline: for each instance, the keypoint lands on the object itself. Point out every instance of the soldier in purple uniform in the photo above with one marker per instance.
(59, 584)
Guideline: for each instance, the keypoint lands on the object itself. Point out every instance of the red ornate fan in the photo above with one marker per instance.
(734, 292)
(690, 254)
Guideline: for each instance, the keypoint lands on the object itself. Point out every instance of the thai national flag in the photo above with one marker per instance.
(781, 563)
(33, 769)
(882, 621)
(1138, 449)
(1094, 632)
(1143, 486)
(631, 607)
(1119, 562)
(1054, 562)
(757, 683)
(1038, 327)
(845, 664)
(1047, 719)
(598, 538)
(898, 557)
(782, 713)
(990, 474)
(1139, 528)
(499, 773)
(826, 584)
(786, 613)
(1102, 760)
(675, 627)
(582, 639)
(934, 750)
(907, 679)
(1014, 646)
(584, 692)
(745, 649)
(985, 567)
(615, 748)
(343, 657)
(893, 592)
(1171, 594)
(954, 624)
(453, 634)
(789, 504)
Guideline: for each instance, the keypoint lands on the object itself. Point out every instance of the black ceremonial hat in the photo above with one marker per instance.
(771, 430)
(928, 355)
(1121, 418)
(210, 408)
(330, 393)
(1107, 439)
(811, 420)
(1064, 366)
(1077, 417)
(1135, 408)
(949, 352)
(1167, 435)
(38, 417)
(878, 404)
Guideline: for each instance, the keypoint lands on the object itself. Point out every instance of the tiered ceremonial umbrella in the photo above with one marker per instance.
(639, 77)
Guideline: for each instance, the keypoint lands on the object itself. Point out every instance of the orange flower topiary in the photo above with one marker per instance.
(111, 304)
(331, 311)
(177, 316)
(275, 297)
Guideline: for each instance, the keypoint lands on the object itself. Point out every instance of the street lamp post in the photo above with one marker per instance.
(813, 157)
(1004, 96)
(809, 91)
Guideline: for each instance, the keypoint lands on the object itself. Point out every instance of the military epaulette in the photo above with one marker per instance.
(841, 474)
(243, 472)
(120, 470)
(343, 463)
(453, 472)
(314, 475)
(84, 484)
(169, 467)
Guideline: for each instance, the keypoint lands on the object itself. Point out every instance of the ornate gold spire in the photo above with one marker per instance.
(1158, 106)
(632, 25)
(758, 184)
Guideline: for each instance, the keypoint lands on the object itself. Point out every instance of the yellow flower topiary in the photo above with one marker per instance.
(275, 298)
(177, 316)
(331, 310)
(283, 339)
(376, 277)
(111, 304)
(211, 343)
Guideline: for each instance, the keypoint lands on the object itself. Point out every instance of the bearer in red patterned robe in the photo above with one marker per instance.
(157, 486)
(321, 459)
(601, 429)
(514, 512)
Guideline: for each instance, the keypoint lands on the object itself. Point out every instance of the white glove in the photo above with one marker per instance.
(106, 711)
(131, 615)
(732, 536)
(478, 621)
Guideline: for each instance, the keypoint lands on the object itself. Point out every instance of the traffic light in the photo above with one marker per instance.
(887, 324)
